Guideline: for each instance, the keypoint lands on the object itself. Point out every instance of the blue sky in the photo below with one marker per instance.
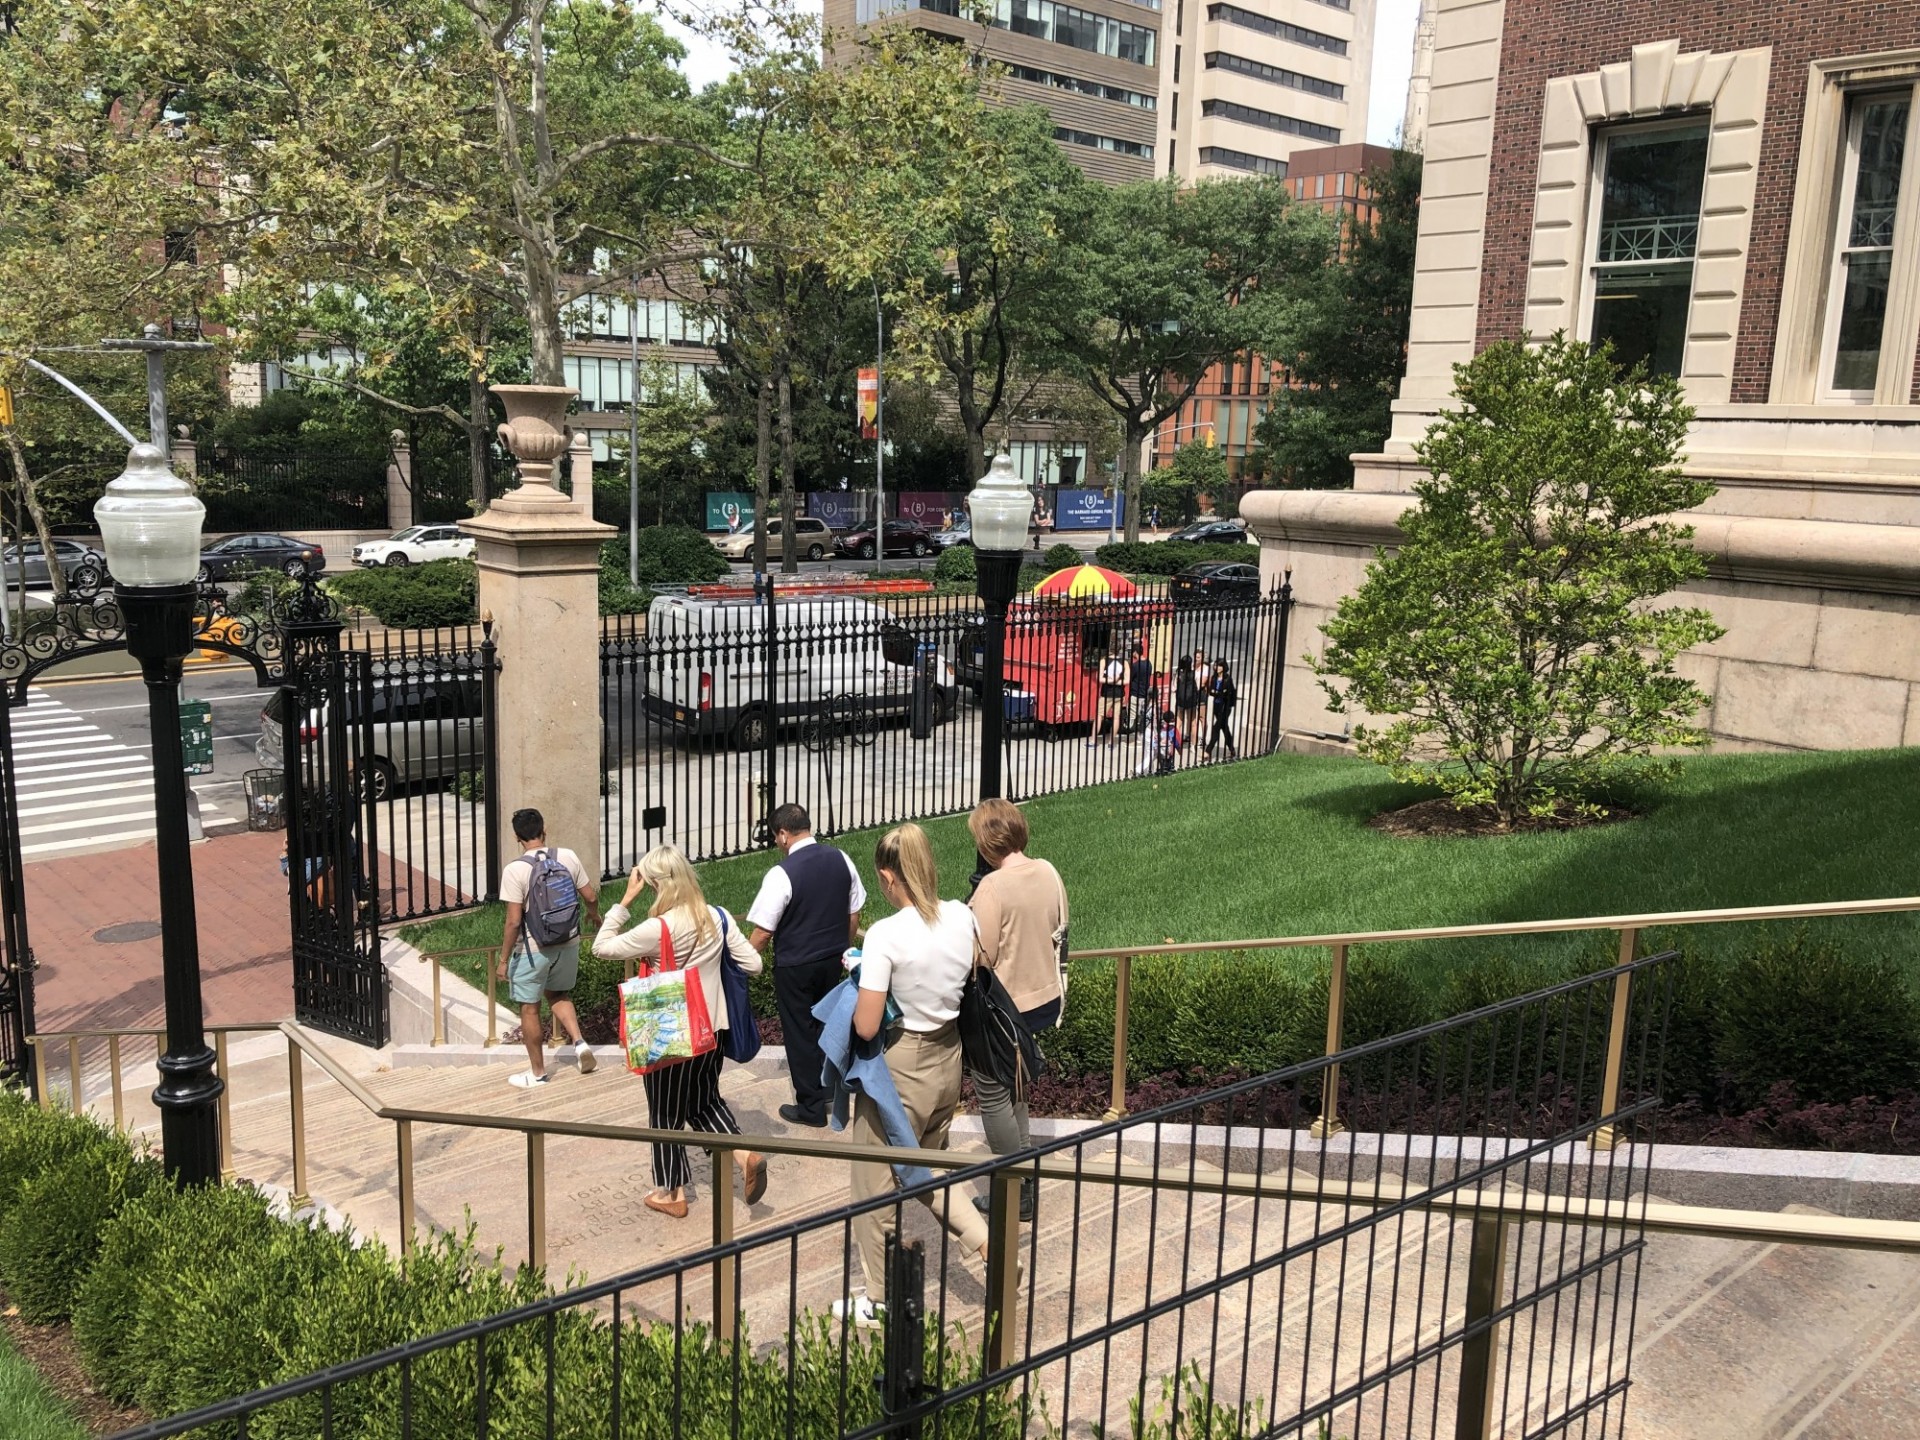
(1392, 61)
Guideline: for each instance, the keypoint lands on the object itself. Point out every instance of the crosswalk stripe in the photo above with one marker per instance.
(47, 847)
(28, 782)
(99, 804)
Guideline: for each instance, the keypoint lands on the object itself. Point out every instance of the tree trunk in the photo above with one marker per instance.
(789, 504)
(762, 471)
(479, 429)
(30, 498)
(973, 425)
(543, 316)
(1135, 436)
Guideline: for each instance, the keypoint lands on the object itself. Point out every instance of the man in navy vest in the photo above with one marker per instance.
(809, 905)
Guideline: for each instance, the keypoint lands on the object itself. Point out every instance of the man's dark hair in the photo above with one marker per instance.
(791, 818)
(528, 825)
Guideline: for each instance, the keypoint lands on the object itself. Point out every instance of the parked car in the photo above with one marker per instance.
(709, 659)
(425, 727)
(27, 556)
(1212, 532)
(415, 546)
(1217, 582)
(812, 537)
(959, 534)
(903, 538)
(237, 553)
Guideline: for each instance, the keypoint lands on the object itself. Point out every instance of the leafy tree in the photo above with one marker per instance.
(1349, 344)
(1511, 644)
(1197, 469)
(1172, 281)
(675, 457)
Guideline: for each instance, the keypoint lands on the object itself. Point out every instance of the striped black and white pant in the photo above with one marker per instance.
(686, 1097)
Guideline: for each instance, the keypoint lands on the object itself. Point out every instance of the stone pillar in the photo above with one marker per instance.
(580, 472)
(539, 563)
(399, 482)
(186, 454)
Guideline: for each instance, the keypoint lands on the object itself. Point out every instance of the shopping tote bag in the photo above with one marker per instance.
(663, 1015)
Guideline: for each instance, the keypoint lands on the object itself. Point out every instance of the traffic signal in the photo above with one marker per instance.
(6, 406)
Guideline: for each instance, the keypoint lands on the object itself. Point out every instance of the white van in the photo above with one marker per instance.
(707, 665)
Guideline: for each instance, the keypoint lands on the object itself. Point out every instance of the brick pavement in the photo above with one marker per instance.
(245, 957)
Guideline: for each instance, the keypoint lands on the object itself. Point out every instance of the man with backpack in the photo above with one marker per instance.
(540, 950)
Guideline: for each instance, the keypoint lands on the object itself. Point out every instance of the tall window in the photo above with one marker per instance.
(1863, 249)
(1645, 234)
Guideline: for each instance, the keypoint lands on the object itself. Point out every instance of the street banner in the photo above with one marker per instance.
(931, 508)
(868, 392)
(729, 510)
(1088, 509)
(836, 507)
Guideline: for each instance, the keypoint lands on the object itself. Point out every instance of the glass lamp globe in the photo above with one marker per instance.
(1000, 507)
(150, 520)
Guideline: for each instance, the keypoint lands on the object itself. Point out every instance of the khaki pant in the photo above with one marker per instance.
(926, 1072)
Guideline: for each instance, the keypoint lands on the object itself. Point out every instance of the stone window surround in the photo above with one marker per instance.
(1806, 281)
(1658, 82)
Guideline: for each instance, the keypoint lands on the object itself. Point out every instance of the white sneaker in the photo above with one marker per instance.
(863, 1312)
(588, 1060)
(526, 1080)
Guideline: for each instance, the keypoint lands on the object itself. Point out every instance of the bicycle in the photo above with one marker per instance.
(839, 718)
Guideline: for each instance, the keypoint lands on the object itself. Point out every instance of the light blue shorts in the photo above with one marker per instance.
(533, 973)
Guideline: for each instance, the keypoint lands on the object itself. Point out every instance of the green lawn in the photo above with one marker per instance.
(1280, 847)
(28, 1409)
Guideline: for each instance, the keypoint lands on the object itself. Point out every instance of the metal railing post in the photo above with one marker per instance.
(224, 1104)
(490, 761)
(1606, 1137)
(403, 1143)
(1003, 1264)
(297, 1093)
(119, 1096)
(73, 1074)
(1122, 999)
(1328, 1123)
(904, 1356)
(40, 1071)
(493, 1006)
(536, 1199)
(1474, 1413)
(439, 1018)
(726, 1317)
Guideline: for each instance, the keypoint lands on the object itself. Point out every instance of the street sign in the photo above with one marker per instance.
(196, 735)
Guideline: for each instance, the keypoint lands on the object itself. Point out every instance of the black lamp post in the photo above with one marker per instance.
(999, 509)
(150, 520)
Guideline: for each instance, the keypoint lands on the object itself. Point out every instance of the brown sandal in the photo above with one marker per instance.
(676, 1208)
(753, 1175)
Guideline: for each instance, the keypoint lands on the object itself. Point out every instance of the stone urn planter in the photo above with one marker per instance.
(536, 436)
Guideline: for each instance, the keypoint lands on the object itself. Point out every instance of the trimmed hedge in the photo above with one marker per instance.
(956, 564)
(1169, 557)
(411, 597)
(1061, 557)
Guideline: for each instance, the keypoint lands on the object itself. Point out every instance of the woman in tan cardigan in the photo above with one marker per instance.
(1020, 906)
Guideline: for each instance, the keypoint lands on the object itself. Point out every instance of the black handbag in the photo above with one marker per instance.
(994, 1040)
(740, 1041)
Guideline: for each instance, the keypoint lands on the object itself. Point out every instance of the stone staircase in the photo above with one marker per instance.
(1733, 1340)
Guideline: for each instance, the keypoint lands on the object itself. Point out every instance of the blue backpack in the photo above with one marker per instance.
(552, 911)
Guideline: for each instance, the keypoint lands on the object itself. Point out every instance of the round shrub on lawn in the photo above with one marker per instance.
(956, 564)
(413, 597)
(1061, 557)
(1242, 1012)
(1832, 1023)
(51, 1238)
(106, 1302)
(669, 555)
(35, 1141)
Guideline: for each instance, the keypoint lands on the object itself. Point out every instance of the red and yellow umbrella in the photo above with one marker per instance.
(1086, 582)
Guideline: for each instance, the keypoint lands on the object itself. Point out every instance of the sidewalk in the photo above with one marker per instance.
(84, 982)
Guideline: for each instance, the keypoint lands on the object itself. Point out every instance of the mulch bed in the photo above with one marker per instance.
(1441, 817)
(51, 1350)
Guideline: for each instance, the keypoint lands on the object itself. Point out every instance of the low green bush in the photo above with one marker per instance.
(36, 1142)
(956, 564)
(50, 1239)
(260, 590)
(106, 1302)
(1830, 1022)
(411, 597)
(670, 555)
(1168, 557)
(1061, 557)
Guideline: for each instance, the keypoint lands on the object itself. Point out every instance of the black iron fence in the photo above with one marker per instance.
(1437, 1233)
(866, 708)
(297, 488)
(429, 768)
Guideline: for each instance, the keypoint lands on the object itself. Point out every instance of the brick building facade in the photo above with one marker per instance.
(1731, 193)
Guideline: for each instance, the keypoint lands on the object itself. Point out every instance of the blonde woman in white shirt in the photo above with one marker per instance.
(687, 1095)
(921, 956)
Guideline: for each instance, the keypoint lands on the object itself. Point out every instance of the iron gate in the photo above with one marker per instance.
(326, 704)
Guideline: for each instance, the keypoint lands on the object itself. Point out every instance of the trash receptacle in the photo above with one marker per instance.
(266, 790)
(921, 711)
